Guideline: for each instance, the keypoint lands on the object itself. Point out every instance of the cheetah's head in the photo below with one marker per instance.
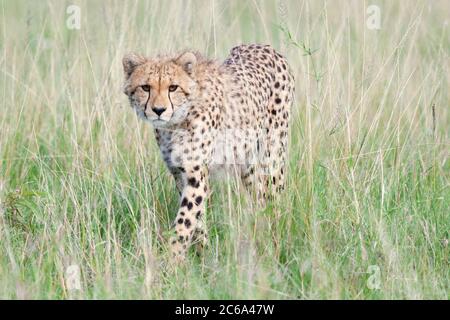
(160, 90)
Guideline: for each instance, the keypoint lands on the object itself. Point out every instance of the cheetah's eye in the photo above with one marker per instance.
(173, 87)
(146, 88)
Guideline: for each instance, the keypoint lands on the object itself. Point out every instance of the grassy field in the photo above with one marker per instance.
(365, 214)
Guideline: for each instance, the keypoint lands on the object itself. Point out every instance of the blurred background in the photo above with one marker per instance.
(85, 199)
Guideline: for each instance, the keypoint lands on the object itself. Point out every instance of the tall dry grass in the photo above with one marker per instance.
(366, 211)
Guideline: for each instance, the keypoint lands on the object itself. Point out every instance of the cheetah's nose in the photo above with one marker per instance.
(158, 110)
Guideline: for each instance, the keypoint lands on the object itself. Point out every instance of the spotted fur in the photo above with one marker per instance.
(209, 116)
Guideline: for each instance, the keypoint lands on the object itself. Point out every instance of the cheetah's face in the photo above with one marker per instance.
(160, 91)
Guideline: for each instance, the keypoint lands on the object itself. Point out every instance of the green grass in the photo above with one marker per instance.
(82, 182)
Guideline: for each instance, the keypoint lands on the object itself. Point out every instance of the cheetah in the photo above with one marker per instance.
(208, 116)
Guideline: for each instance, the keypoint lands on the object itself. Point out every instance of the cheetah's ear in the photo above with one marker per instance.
(130, 61)
(187, 60)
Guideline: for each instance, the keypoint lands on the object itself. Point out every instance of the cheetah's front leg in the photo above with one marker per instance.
(192, 208)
